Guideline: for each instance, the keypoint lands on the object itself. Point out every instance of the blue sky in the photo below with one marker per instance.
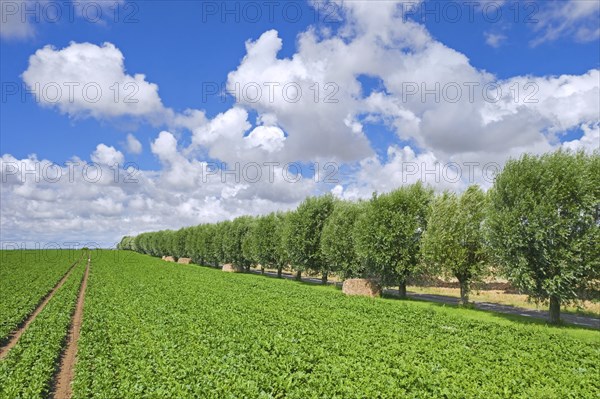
(183, 46)
(197, 43)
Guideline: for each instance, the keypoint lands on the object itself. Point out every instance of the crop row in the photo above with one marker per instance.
(154, 329)
(25, 278)
(29, 367)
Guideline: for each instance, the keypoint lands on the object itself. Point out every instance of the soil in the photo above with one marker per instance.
(62, 386)
(14, 338)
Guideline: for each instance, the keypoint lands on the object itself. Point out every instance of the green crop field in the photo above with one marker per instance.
(154, 329)
(25, 278)
(28, 369)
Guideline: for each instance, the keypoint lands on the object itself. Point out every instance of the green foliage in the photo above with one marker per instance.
(544, 224)
(303, 238)
(388, 235)
(263, 242)
(178, 243)
(25, 278)
(453, 244)
(159, 330)
(337, 239)
(127, 244)
(28, 369)
(233, 236)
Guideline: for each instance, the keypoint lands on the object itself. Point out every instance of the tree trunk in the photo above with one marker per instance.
(402, 289)
(279, 270)
(262, 270)
(299, 275)
(464, 292)
(324, 278)
(554, 309)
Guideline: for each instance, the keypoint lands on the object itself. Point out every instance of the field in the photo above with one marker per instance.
(26, 277)
(28, 369)
(153, 329)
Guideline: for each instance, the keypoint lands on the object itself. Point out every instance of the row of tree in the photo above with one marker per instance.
(539, 226)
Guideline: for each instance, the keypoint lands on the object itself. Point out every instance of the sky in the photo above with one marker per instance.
(119, 117)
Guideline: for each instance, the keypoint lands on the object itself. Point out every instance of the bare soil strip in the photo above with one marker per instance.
(64, 377)
(14, 338)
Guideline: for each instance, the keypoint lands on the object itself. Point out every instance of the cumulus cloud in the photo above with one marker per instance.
(588, 142)
(133, 145)
(106, 155)
(88, 80)
(98, 204)
(85, 79)
(448, 123)
(270, 138)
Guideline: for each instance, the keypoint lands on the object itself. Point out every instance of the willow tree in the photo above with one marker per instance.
(233, 237)
(388, 235)
(544, 226)
(281, 254)
(453, 244)
(262, 241)
(338, 245)
(303, 238)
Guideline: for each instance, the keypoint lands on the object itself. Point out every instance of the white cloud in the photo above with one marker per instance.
(87, 80)
(575, 19)
(133, 145)
(588, 142)
(97, 205)
(428, 137)
(11, 24)
(84, 79)
(106, 155)
(312, 95)
(270, 138)
(19, 19)
(494, 39)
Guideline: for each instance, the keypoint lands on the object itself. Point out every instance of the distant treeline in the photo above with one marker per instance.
(538, 226)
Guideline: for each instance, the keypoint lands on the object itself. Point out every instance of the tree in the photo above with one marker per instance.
(544, 226)
(262, 242)
(388, 236)
(250, 244)
(304, 235)
(233, 240)
(281, 255)
(453, 243)
(178, 243)
(337, 239)
(127, 243)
